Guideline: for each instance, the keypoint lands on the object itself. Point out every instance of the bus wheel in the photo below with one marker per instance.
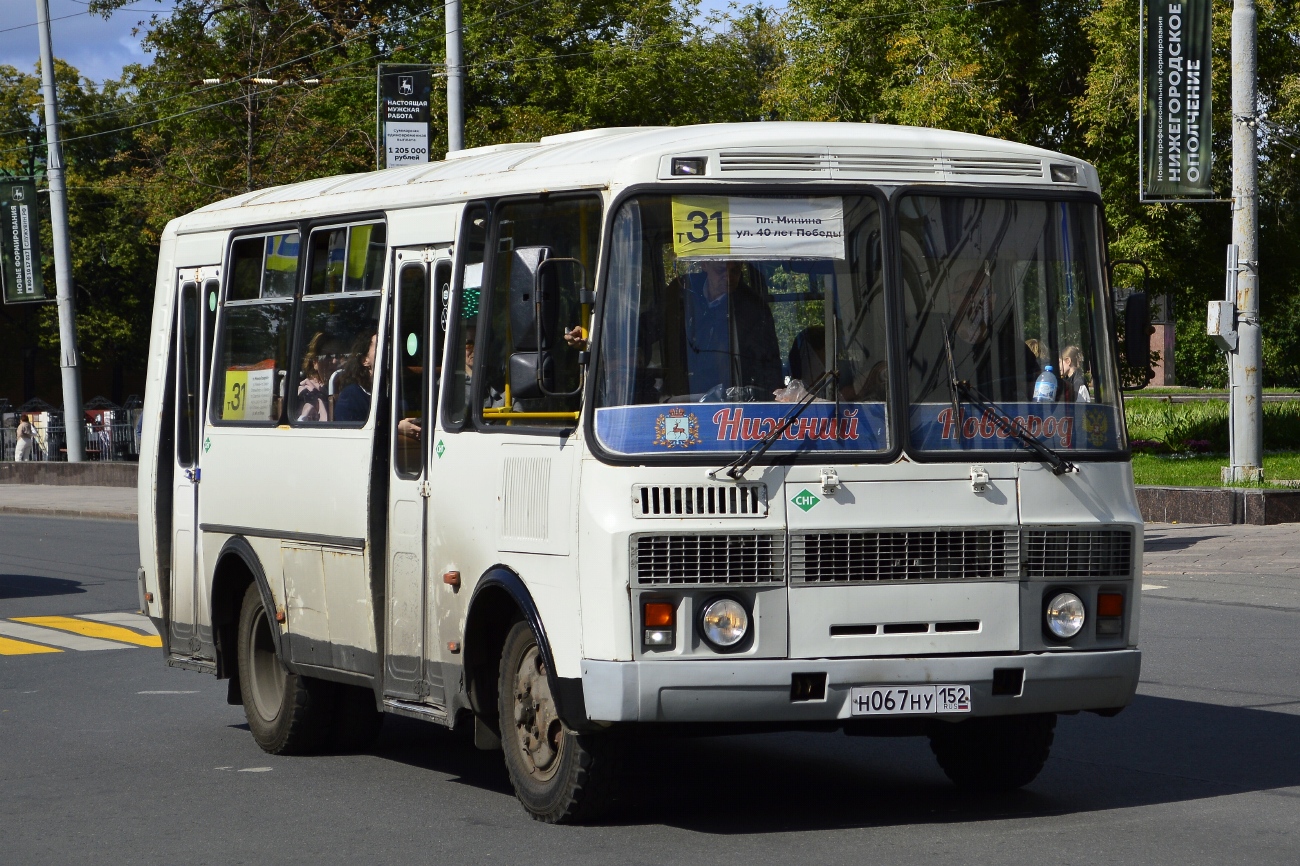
(287, 714)
(994, 754)
(558, 775)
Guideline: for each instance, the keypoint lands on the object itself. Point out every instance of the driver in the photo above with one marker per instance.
(730, 334)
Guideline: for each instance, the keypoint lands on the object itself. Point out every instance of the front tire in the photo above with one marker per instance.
(287, 714)
(996, 754)
(558, 775)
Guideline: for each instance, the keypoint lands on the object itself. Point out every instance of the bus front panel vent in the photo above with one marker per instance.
(918, 554)
(723, 559)
(1098, 553)
(699, 500)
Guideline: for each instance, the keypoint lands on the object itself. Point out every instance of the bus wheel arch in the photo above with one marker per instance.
(501, 599)
(237, 567)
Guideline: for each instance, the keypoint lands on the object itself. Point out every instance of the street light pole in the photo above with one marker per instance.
(455, 77)
(72, 417)
(1245, 382)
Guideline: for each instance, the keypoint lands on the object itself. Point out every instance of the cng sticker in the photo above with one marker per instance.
(440, 449)
(805, 499)
(207, 444)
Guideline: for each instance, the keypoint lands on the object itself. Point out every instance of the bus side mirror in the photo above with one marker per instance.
(1137, 331)
(532, 364)
(532, 299)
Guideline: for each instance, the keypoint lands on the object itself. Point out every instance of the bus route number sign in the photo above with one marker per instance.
(751, 227)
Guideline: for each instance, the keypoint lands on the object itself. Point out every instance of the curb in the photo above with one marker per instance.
(83, 513)
(1221, 505)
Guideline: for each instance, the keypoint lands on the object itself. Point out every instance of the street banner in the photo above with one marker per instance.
(1176, 123)
(20, 242)
(404, 91)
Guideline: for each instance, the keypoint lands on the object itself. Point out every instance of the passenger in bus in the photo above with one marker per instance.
(492, 397)
(320, 362)
(986, 351)
(1074, 385)
(730, 334)
(353, 403)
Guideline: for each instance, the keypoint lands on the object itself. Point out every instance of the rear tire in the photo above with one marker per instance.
(558, 775)
(287, 714)
(996, 754)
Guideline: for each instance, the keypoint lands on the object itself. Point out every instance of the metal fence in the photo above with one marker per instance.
(113, 442)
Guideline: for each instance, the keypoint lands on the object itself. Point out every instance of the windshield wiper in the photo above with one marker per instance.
(1059, 464)
(737, 468)
(954, 387)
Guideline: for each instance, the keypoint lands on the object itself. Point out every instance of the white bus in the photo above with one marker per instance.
(710, 428)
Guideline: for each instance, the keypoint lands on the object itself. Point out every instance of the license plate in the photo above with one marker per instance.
(909, 700)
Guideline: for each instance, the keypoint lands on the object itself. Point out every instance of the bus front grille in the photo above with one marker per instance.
(918, 554)
(1078, 552)
(724, 559)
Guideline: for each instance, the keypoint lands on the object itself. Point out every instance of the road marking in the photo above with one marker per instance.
(93, 629)
(1147, 586)
(256, 770)
(10, 647)
(56, 638)
(162, 692)
(121, 617)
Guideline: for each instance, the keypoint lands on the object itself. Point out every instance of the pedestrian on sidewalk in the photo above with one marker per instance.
(23, 447)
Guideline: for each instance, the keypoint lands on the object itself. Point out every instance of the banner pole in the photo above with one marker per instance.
(72, 412)
(1246, 362)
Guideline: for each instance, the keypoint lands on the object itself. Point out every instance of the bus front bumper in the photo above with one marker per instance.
(759, 690)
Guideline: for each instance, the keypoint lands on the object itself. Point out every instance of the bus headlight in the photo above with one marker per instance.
(1065, 615)
(724, 623)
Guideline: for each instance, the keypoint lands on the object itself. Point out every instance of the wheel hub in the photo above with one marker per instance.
(541, 734)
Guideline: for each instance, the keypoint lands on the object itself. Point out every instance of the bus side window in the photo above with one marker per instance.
(462, 315)
(337, 325)
(257, 318)
(528, 232)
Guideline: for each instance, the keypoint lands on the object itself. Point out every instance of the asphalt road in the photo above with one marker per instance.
(112, 757)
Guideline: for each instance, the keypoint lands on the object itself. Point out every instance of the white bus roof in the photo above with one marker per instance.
(601, 158)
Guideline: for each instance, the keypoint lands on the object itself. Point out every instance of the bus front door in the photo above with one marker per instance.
(411, 635)
(195, 313)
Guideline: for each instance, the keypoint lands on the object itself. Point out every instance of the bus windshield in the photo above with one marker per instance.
(724, 312)
(1005, 324)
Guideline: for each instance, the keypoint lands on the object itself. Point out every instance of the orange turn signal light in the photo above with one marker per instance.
(1110, 604)
(659, 614)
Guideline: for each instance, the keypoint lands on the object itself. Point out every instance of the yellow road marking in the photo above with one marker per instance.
(11, 647)
(93, 629)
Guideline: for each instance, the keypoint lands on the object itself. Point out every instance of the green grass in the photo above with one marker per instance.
(1203, 426)
(1182, 391)
(1202, 470)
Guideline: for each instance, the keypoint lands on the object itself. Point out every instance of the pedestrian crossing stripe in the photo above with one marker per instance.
(93, 629)
(11, 647)
(31, 635)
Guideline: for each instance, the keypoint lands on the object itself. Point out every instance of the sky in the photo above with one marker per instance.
(98, 48)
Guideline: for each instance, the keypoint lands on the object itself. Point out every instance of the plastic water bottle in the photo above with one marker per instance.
(1045, 386)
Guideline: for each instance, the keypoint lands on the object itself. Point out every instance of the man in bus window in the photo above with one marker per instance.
(730, 334)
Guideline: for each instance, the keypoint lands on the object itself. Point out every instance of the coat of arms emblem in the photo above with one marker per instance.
(676, 429)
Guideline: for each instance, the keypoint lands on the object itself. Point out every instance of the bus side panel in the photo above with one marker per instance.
(153, 490)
